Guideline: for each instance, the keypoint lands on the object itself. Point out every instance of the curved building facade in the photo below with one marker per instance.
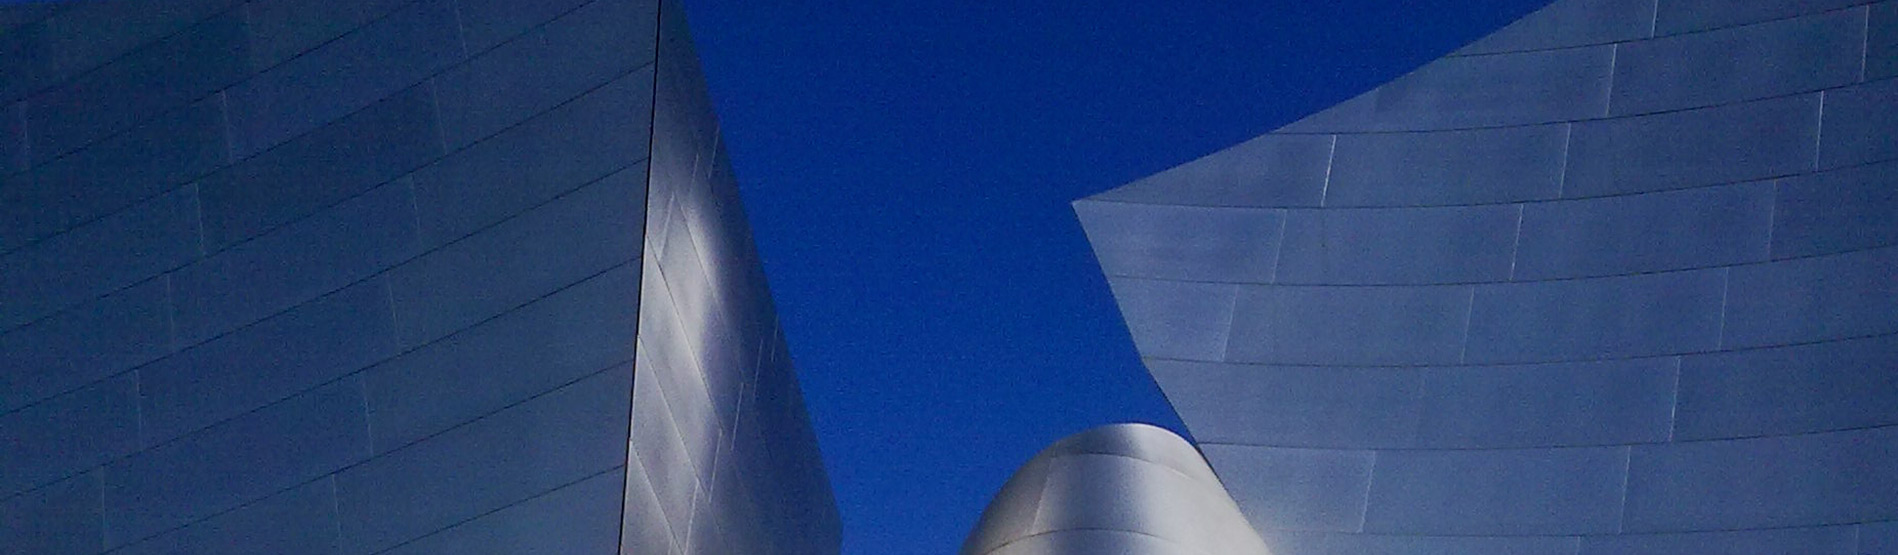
(350, 277)
(1121, 488)
(1621, 277)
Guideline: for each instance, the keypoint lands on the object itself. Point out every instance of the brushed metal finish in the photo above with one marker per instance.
(1120, 489)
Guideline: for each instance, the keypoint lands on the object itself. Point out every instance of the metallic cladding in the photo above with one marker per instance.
(382, 276)
(1121, 488)
(1618, 278)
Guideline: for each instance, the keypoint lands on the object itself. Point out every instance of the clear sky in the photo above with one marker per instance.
(908, 165)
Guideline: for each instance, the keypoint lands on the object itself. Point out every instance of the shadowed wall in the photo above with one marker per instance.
(306, 276)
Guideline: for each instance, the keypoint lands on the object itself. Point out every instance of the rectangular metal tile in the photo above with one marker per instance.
(1547, 321)
(1295, 489)
(1881, 46)
(283, 29)
(548, 66)
(1293, 406)
(1696, 228)
(1859, 125)
(91, 34)
(1771, 482)
(1448, 167)
(306, 92)
(562, 242)
(87, 343)
(234, 463)
(1722, 144)
(253, 280)
(1545, 86)
(579, 518)
(166, 75)
(59, 519)
(1183, 242)
(298, 521)
(1681, 16)
(569, 334)
(1568, 24)
(1808, 388)
(1812, 299)
(324, 167)
(1836, 211)
(308, 345)
(1740, 63)
(1271, 170)
(1399, 325)
(1498, 492)
(101, 257)
(1366, 544)
(109, 176)
(1547, 405)
(512, 456)
(66, 435)
(1398, 245)
(1173, 319)
(595, 135)
(1832, 540)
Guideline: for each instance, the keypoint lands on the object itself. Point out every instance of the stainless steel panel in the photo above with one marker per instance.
(1681, 16)
(1524, 88)
(1641, 315)
(1770, 482)
(1498, 492)
(1348, 325)
(1812, 299)
(59, 519)
(1796, 55)
(1836, 211)
(297, 521)
(600, 133)
(1448, 167)
(1299, 406)
(1722, 144)
(1183, 242)
(544, 68)
(293, 264)
(1398, 246)
(1366, 544)
(98, 258)
(529, 450)
(66, 435)
(1712, 226)
(1172, 319)
(284, 29)
(1832, 540)
(388, 55)
(1881, 47)
(92, 341)
(1571, 404)
(325, 339)
(1569, 24)
(517, 261)
(1859, 125)
(234, 463)
(579, 518)
(1296, 489)
(1271, 170)
(569, 334)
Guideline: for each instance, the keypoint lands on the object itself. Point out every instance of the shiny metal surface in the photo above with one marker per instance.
(328, 277)
(1118, 489)
(1618, 278)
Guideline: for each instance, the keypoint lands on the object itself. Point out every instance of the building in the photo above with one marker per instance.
(383, 276)
(1618, 278)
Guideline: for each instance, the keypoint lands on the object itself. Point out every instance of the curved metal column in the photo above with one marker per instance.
(1117, 489)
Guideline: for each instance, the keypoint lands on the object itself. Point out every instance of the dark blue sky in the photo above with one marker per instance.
(908, 166)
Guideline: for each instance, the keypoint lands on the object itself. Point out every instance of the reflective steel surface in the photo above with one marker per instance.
(1618, 278)
(1117, 489)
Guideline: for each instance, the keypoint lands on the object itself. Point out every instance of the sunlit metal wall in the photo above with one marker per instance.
(1121, 488)
(318, 276)
(724, 459)
(1619, 278)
